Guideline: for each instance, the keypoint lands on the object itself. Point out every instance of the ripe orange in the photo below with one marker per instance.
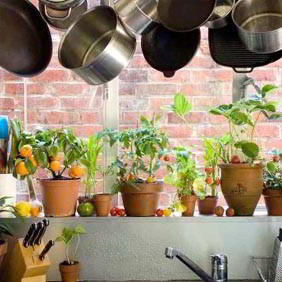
(55, 166)
(32, 159)
(35, 211)
(209, 180)
(21, 169)
(76, 171)
(26, 151)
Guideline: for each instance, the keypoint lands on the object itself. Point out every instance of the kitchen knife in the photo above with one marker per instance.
(29, 234)
(45, 222)
(49, 245)
(36, 233)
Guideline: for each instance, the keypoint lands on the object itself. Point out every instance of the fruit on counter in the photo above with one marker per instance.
(159, 212)
(23, 208)
(217, 182)
(76, 171)
(209, 180)
(208, 170)
(219, 211)
(151, 179)
(85, 209)
(166, 158)
(26, 151)
(21, 169)
(230, 212)
(121, 212)
(114, 211)
(55, 166)
(276, 159)
(167, 212)
(235, 159)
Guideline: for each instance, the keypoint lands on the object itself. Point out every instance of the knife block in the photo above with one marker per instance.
(25, 266)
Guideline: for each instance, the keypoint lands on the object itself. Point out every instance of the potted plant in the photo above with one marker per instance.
(272, 191)
(56, 151)
(136, 166)
(101, 202)
(208, 197)
(70, 268)
(242, 176)
(183, 175)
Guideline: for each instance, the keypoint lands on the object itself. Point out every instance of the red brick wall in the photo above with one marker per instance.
(58, 97)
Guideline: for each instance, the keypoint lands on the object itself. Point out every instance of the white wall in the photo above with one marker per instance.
(133, 248)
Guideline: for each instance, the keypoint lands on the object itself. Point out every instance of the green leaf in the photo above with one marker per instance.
(182, 106)
(250, 149)
(271, 167)
(268, 87)
(79, 229)
(240, 118)
(274, 116)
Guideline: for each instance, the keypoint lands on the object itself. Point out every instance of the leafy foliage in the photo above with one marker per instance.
(5, 228)
(242, 118)
(273, 175)
(67, 237)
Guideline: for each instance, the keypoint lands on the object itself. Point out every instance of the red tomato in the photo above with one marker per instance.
(276, 159)
(235, 159)
(217, 181)
(208, 170)
(166, 158)
(230, 212)
(121, 212)
(209, 180)
(114, 211)
(159, 212)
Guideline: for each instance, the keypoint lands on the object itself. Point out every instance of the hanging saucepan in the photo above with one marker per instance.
(221, 14)
(184, 15)
(61, 14)
(259, 24)
(26, 45)
(226, 49)
(168, 51)
(96, 46)
(138, 16)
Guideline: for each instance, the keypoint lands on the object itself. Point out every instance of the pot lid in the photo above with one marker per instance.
(61, 4)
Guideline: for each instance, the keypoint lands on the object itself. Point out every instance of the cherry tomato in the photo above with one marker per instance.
(217, 182)
(114, 211)
(235, 159)
(219, 211)
(166, 158)
(121, 212)
(209, 180)
(208, 170)
(159, 212)
(230, 212)
(276, 159)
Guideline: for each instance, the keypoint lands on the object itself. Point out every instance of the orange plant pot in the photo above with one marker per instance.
(207, 206)
(273, 201)
(242, 185)
(141, 199)
(69, 273)
(59, 197)
(103, 203)
(189, 202)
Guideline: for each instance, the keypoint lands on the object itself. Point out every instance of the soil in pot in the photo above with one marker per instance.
(207, 206)
(59, 197)
(69, 272)
(273, 201)
(141, 199)
(103, 204)
(3, 250)
(189, 202)
(242, 185)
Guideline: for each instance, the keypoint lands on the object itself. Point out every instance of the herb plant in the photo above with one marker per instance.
(273, 175)
(67, 237)
(242, 117)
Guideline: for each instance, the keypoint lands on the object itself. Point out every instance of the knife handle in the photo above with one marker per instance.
(49, 245)
(29, 234)
(36, 233)
(38, 240)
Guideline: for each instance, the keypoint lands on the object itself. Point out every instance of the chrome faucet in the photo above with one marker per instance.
(219, 266)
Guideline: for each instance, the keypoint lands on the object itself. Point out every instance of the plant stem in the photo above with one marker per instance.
(32, 194)
(253, 129)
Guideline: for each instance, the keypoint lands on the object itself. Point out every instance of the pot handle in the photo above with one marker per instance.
(57, 18)
(243, 70)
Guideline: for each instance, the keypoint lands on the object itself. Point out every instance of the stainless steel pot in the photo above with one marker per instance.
(61, 14)
(259, 24)
(97, 47)
(221, 14)
(138, 16)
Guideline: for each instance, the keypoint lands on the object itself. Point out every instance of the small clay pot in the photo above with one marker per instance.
(273, 201)
(3, 250)
(207, 206)
(103, 203)
(69, 272)
(189, 202)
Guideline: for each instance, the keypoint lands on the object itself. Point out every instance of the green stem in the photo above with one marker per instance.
(255, 123)
(32, 193)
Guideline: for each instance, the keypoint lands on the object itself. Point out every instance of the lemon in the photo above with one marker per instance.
(23, 208)
(167, 212)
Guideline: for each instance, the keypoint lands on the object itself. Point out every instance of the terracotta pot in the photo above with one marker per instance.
(207, 206)
(69, 273)
(141, 199)
(273, 201)
(189, 202)
(59, 197)
(242, 185)
(3, 250)
(103, 203)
